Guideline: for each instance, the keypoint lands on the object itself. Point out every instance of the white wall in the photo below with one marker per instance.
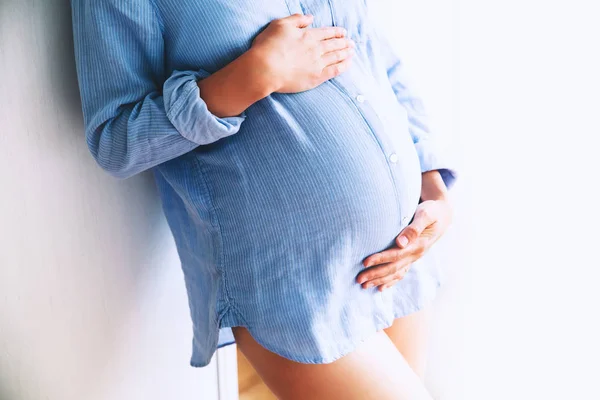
(92, 299)
(529, 104)
(517, 81)
(425, 35)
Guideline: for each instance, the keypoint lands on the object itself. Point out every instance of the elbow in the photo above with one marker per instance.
(114, 160)
(118, 171)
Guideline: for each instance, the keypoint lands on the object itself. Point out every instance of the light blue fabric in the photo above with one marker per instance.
(272, 210)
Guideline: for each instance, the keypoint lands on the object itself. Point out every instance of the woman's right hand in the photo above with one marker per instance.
(300, 58)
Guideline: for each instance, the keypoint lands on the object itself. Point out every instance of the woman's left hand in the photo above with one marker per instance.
(386, 268)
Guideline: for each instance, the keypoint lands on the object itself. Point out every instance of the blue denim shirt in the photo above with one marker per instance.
(272, 210)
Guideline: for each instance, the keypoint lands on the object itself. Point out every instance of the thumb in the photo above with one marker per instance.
(300, 20)
(414, 230)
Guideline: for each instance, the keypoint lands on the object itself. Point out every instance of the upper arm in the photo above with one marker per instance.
(119, 51)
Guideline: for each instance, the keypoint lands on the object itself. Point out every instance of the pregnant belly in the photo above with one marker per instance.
(301, 182)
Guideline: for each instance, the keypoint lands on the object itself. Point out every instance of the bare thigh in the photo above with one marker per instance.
(410, 335)
(374, 370)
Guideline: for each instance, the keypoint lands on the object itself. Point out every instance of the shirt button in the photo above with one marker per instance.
(360, 98)
(404, 220)
(394, 158)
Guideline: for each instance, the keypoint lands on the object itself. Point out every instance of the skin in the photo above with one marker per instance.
(290, 57)
(375, 370)
(410, 335)
(287, 57)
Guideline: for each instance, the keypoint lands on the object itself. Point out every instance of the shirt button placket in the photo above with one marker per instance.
(375, 125)
(393, 157)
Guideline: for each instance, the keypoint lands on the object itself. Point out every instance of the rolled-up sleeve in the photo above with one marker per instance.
(135, 117)
(432, 155)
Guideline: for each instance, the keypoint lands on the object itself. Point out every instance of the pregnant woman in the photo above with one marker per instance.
(296, 172)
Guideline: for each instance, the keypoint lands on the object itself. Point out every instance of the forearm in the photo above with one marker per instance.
(238, 85)
(433, 186)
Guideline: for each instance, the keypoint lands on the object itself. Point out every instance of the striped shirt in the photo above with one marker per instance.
(274, 209)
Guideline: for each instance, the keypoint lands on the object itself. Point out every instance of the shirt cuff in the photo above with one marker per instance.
(190, 115)
(432, 158)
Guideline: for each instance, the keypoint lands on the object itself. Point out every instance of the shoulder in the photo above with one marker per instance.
(125, 7)
(141, 12)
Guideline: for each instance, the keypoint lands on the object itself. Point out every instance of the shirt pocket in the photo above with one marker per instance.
(322, 10)
(348, 14)
(351, 15)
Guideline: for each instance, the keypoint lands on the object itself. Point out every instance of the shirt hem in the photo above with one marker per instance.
(377, 326)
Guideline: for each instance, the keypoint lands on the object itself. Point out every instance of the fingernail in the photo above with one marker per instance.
(402, 241)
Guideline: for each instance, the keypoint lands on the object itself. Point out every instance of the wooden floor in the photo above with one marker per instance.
(250, 385)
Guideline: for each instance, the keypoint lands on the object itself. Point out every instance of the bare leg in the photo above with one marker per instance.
(410, 336)
(374, 370)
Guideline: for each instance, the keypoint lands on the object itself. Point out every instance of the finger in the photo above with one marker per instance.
(388, 285)
(414, 229)
(330, 32)
(377, 272)
(330, 45)
(334, 70)
(386, 256)
(381, 281)
(298, 20)
(335, 57)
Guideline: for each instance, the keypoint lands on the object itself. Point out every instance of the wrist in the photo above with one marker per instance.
(262, 71)
(433, 186)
